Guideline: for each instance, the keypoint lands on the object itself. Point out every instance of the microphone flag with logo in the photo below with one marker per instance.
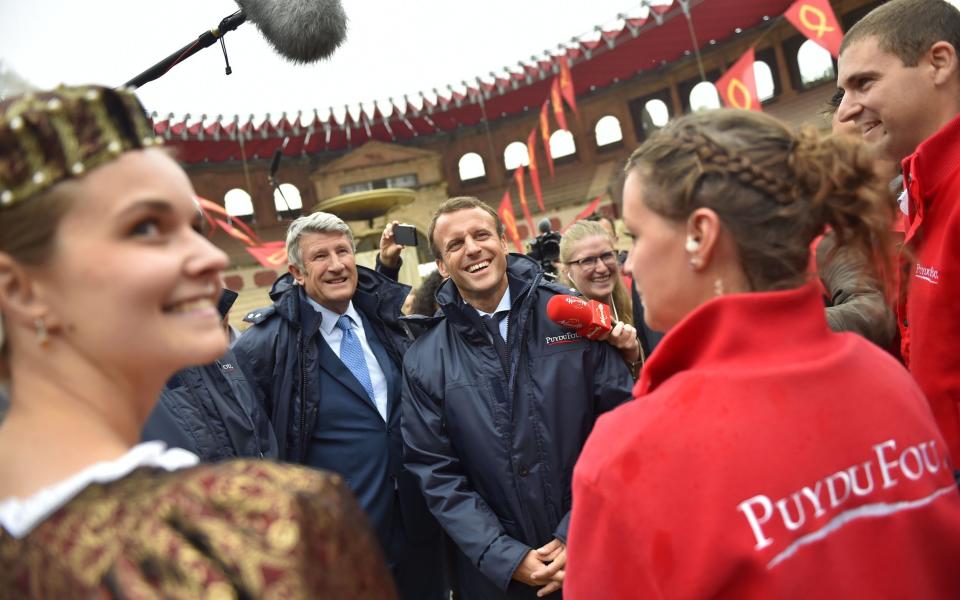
(738, 86)
(589, 318)
(816, 20)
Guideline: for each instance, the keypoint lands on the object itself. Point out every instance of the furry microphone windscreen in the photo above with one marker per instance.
(302, 31)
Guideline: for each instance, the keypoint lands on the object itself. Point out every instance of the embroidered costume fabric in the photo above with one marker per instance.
(240, 529)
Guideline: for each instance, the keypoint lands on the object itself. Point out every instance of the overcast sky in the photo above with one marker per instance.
(393, 48)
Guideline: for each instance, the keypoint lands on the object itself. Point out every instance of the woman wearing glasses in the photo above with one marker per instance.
(589, 264)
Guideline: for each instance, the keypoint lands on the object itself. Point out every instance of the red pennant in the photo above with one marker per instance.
(271, 255)
(566, 86)
(232, 227)
(234, 232)
(518, 176)
(816, 20)
(534, 171)
(738, 86)
(583, 214)
(510, 220)
(545, 134)
(558, 105)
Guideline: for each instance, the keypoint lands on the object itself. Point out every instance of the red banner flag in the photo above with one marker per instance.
(518, 176)
(566, 86)
(816, 20)
(738, 86)
(272, 255)
(558, 105)
(510, 220)
(534, 171)
(545, 134)
(583, 214)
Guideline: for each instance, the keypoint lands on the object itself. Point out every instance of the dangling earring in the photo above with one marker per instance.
(43, 338)
(718, 287)
(696, 262)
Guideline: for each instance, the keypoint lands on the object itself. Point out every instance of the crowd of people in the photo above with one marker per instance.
(729, 437)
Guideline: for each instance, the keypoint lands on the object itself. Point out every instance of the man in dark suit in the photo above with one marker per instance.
(325, 361)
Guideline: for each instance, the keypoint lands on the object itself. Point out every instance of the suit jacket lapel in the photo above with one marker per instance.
(386, 365)
(332, 364)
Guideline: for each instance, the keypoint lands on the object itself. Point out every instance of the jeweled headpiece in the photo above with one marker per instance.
(47, 137)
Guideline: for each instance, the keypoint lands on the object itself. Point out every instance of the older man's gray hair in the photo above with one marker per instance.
(318, 222)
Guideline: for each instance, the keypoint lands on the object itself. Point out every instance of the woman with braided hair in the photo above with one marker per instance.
(765, 456)
(106, 290)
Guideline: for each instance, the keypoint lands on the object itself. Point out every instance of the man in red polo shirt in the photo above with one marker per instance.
(900, 76)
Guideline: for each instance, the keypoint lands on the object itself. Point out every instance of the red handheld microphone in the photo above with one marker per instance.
(589, 318)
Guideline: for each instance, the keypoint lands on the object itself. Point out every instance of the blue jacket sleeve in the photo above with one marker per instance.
(390, 272)
(459, 509)
(612, 386)
(612, 382)
(250, 350)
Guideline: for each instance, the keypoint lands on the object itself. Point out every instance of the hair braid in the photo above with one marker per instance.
(774, 189)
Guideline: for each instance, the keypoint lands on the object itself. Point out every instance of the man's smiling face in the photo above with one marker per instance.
(886, 100)
(473, 255)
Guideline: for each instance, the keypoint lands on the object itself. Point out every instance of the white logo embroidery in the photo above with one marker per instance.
(928, 274)
(565, 338)
(827, 496)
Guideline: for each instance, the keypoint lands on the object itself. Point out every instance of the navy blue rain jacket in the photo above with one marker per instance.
(211, 411)
(280, 352)
(495, 454)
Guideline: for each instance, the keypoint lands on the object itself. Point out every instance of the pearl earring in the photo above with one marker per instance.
(43, 338)
(718, 287)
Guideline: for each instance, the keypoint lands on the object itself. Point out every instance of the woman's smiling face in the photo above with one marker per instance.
(130, 285)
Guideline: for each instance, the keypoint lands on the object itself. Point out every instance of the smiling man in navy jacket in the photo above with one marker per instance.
(497, 403)
(325, 361)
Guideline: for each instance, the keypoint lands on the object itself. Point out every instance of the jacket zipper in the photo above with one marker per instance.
(303, 404)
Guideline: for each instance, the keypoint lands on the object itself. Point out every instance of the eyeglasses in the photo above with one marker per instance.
(588, 263)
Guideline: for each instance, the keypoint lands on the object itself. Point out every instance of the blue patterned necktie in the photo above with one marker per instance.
(351, 353)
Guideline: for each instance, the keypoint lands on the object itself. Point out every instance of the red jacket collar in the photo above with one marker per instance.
(742, 330)
(933, 162)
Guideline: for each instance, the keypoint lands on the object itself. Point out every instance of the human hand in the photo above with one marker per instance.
(389, 249)
(554, 555)
(530, 564)
(623, 337)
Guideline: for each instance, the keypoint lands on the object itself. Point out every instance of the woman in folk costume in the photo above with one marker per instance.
(764, 456)
(105, 291)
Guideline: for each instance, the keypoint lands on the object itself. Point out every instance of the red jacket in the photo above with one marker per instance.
(929, 312)
(766, 457)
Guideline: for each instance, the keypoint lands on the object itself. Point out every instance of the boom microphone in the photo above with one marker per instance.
(302, 31)
(589, 318)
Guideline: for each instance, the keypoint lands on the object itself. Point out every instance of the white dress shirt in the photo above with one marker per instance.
(333, 336)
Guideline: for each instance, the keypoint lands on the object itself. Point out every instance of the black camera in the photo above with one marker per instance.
(545, 249)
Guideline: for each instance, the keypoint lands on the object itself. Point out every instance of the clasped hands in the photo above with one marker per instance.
(543, 567)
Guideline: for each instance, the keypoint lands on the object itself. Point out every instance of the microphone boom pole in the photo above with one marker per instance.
(205, 40)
